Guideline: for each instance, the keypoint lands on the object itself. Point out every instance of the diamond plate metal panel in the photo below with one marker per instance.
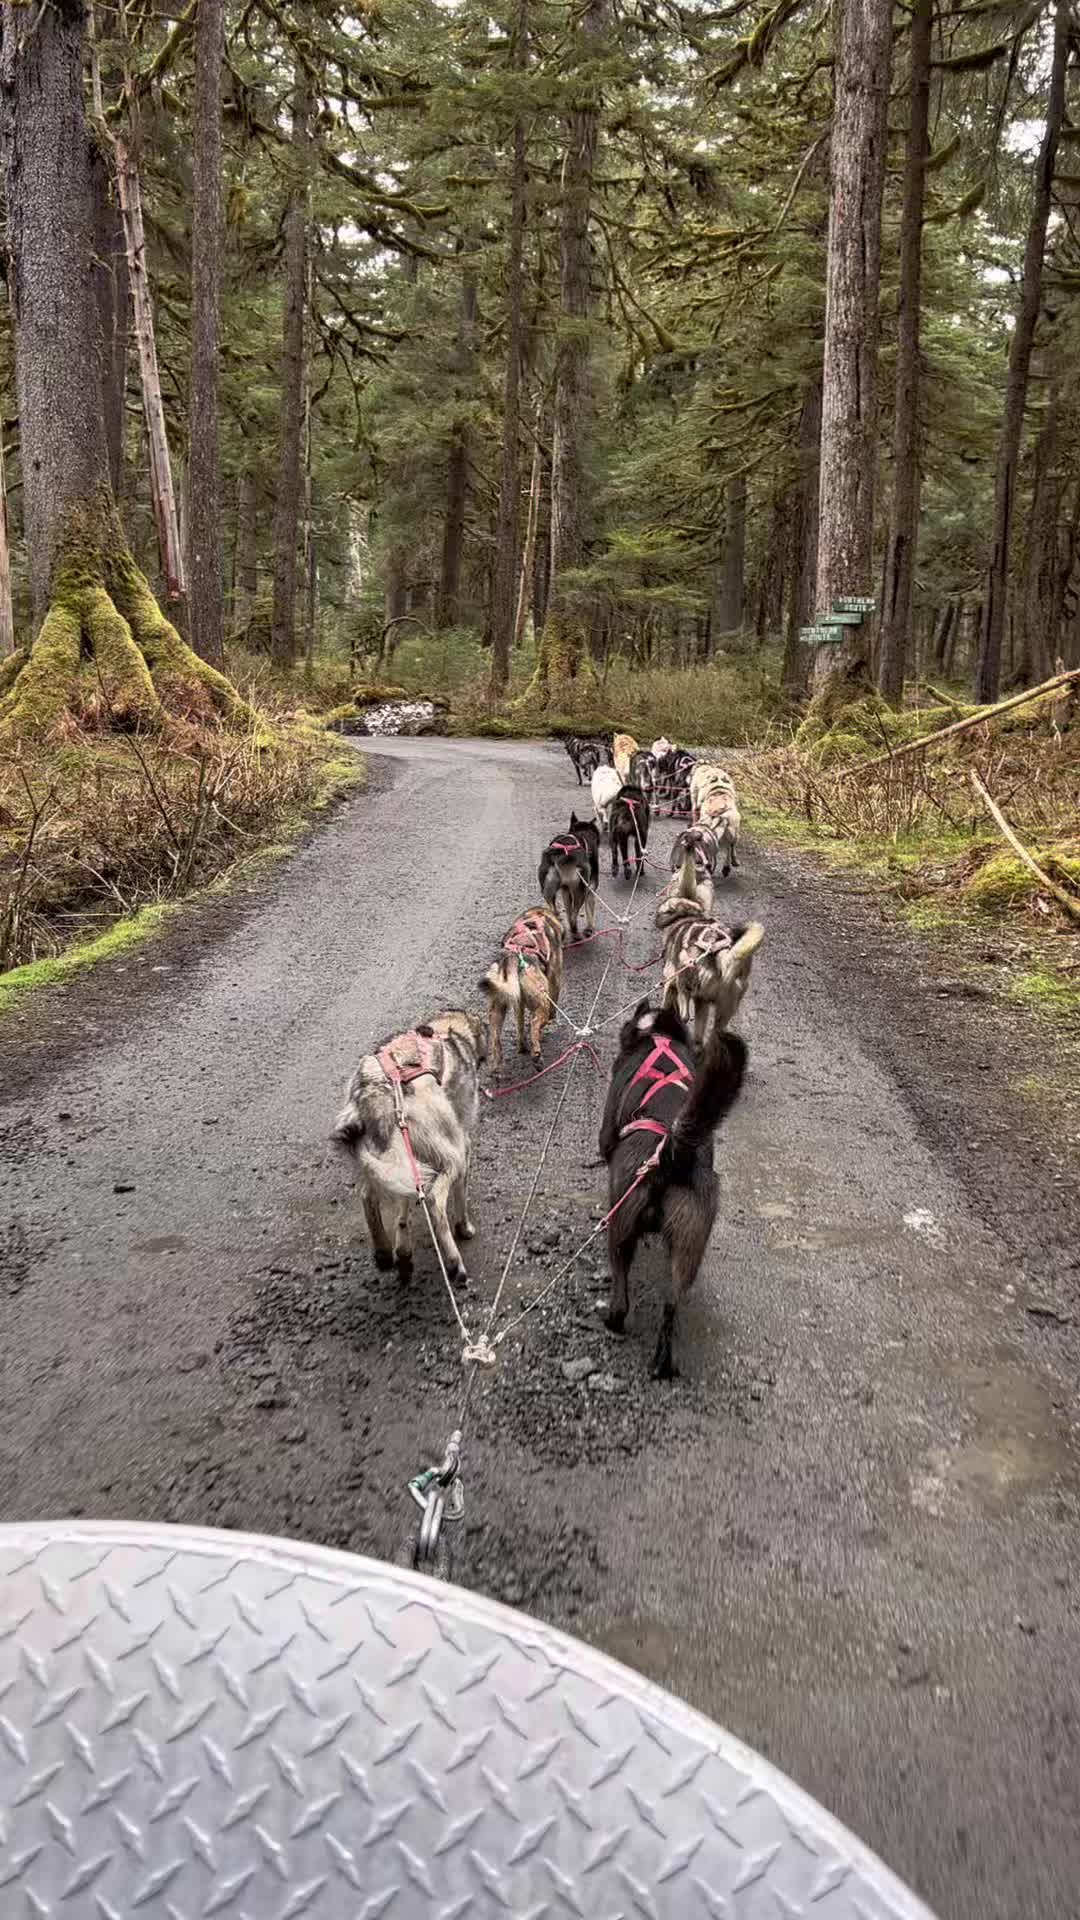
(201, 1723)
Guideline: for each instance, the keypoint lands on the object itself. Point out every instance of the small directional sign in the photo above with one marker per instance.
(845, 618)
(820, 636)
(854, 603)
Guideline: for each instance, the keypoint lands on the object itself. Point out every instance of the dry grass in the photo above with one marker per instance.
(96, 825)
(917, 826)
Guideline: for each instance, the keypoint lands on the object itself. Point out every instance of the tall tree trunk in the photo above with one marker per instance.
(904, 519)
(1039, 638)
(163, 495)
(204, 481)
(396, 602)
(849, 414)
(245, 559)
(988, 675)
(111, 297)
(448, 602)
(94, 599)
(50, 226)
(731, 600)
(563, 637)
(294, 340)
(795, 670)
(532, 521)
(7, 610)
(508, 518)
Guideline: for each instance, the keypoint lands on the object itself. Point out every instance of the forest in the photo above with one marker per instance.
(718, 353)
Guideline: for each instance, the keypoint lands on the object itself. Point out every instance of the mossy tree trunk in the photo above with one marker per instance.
(93, 603)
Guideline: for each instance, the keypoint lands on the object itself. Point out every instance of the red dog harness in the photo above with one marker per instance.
(528, 942)
(400, 1073)
(651, 1070)
(567, 845)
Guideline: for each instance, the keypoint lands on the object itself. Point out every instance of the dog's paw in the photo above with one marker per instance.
(459, 1275)
(663, 1366)
(614, 1318)
(404, 1264)
(383, 1260)
(466, 1231)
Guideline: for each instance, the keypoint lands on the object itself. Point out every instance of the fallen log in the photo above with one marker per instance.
(1068, 900)
(964, 726)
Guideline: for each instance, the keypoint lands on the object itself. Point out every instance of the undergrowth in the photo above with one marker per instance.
(97, 826)
(914, 826)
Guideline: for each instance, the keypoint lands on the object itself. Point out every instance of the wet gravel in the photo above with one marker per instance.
(848, 1530)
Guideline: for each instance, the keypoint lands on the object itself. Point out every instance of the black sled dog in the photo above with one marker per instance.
(659, 1107)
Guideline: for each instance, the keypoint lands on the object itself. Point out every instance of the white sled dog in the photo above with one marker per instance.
(606, 786)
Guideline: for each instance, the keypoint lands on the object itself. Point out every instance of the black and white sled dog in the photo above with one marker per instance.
(629, 829)
(643, 774)
(673, 771)
(588, 751)
(570, 872)
(428, 1078)
(660, 1106)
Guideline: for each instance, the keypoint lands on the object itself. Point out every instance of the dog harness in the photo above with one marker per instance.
(569, 844)
(400, 1073)
(529, 943)
(651, 1071)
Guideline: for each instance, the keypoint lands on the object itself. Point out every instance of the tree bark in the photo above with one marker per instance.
(94, 599)
(563, 637)
(111, 297)
(849, 414)
(166, 520)
(204, 483)
(504, 595)
(795, 670)
(525, 582)
(731, 604)
(396, 602)
(50, 236)
(294, 341)
(903, 535)
(448, 601)
(245, 560)
(7, 610)
(988, 675)
(1038, 628)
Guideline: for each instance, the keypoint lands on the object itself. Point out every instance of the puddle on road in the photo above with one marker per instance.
(1017, 1446)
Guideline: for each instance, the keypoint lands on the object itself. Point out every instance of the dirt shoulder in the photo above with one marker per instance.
(995, 1081)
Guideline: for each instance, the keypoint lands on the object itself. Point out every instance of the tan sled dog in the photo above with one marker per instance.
(706, 967)
(623, 749)
(528, 977)
(712, 804)
(427, 1078)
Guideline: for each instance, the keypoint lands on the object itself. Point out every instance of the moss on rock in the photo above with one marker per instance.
(1004, 881)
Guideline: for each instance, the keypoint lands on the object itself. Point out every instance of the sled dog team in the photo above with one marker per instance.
(412, 1104)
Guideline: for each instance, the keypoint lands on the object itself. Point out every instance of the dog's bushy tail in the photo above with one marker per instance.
(745, 943)
(714, 1093)
(501, 979)
(687, 888)
(551, 883)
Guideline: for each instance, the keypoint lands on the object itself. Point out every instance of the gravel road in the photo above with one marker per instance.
(848, 1531)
